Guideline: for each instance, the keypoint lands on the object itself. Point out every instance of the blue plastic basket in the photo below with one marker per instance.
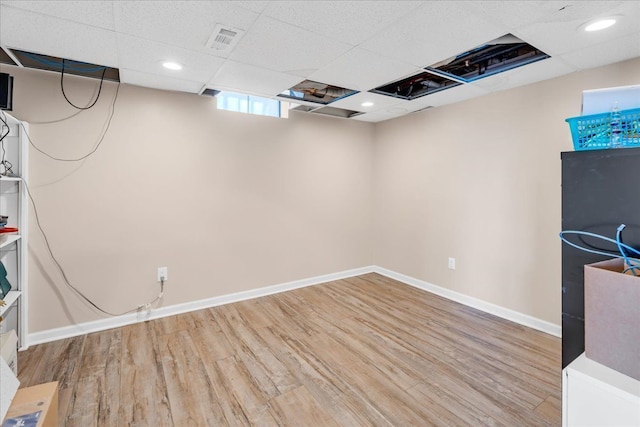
(594, 132)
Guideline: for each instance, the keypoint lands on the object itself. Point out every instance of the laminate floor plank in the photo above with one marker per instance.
(213, 343)
(290, 405)
(362, 351)
(97, 349)
(234, 415)
(172, 324)
(324, 384)
(96, 397)
(84, 407)
(51, 368)
(457, 342)
(28, 362)
(204, 319)
(251, 398)
(143, 391)
(368, 380)
(193, 400)
(550, 409)
(254, 314)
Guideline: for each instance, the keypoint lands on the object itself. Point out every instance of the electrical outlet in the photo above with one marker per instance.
(452, 263)
(163, 274)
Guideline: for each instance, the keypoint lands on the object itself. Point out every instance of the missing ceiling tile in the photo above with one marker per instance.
(494, 57)
(416, 86)
(54, 63)
(5, 58)
(316, 92)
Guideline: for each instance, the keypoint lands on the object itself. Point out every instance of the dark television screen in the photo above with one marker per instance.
(6, 91)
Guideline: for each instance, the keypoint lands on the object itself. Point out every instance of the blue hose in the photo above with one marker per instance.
(631, 264)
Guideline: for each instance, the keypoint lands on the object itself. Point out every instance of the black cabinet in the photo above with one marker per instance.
(600, 191)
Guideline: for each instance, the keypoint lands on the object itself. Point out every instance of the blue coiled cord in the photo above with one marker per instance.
(631, 264)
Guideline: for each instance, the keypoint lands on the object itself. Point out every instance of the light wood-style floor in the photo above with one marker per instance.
(355, 352)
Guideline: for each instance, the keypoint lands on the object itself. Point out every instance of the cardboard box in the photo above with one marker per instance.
(41, 398)
(612, 316)
(9, 350)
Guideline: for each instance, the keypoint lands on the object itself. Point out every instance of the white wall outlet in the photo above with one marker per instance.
(452, 263)
(163, 274)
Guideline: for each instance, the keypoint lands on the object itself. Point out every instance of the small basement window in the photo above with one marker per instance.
(249, 104)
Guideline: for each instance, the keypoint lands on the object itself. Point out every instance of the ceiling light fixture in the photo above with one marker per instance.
(600, 24)
(367, 104)
(174, 66)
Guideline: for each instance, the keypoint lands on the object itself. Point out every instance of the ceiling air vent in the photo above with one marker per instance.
(210, 92)
(224, 38)
(328, 111)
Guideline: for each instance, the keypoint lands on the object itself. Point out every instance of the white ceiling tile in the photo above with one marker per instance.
(515, 14)
(251, 79)
(361, 69)
(353, 102)
(541, 70)
(348, 21)
(398, 109)
(155, 81)
(33, 32)
(93, 13)
(355, 44)
(434, 32)
(253, 5)
(187, 24)
(605, 53)
(566, 35)
(450, 96)
(376, 116)
(282, 47)
(404, 107)
(147, 56)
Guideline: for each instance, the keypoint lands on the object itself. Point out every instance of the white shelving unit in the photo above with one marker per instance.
(595, 395)
(14, 202)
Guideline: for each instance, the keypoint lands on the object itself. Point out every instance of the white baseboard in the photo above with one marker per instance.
(487, 307)
(114, 322)
(127, 319)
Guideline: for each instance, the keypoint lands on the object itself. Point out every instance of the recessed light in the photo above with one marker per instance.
(367, 104)
(174, 66)
(600, 24)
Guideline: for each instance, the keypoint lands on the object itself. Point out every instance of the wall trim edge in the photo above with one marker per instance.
(64, 332)
(487, 307)
(55, 334)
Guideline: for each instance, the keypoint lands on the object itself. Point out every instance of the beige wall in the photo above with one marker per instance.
(232, 202)
(480, 181)
(228, 202)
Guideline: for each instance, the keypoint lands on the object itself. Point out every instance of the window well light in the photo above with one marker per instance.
(174, 66)
(600, 24)
(367, 104)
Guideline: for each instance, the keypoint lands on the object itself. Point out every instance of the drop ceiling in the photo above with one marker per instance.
(360, 45)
